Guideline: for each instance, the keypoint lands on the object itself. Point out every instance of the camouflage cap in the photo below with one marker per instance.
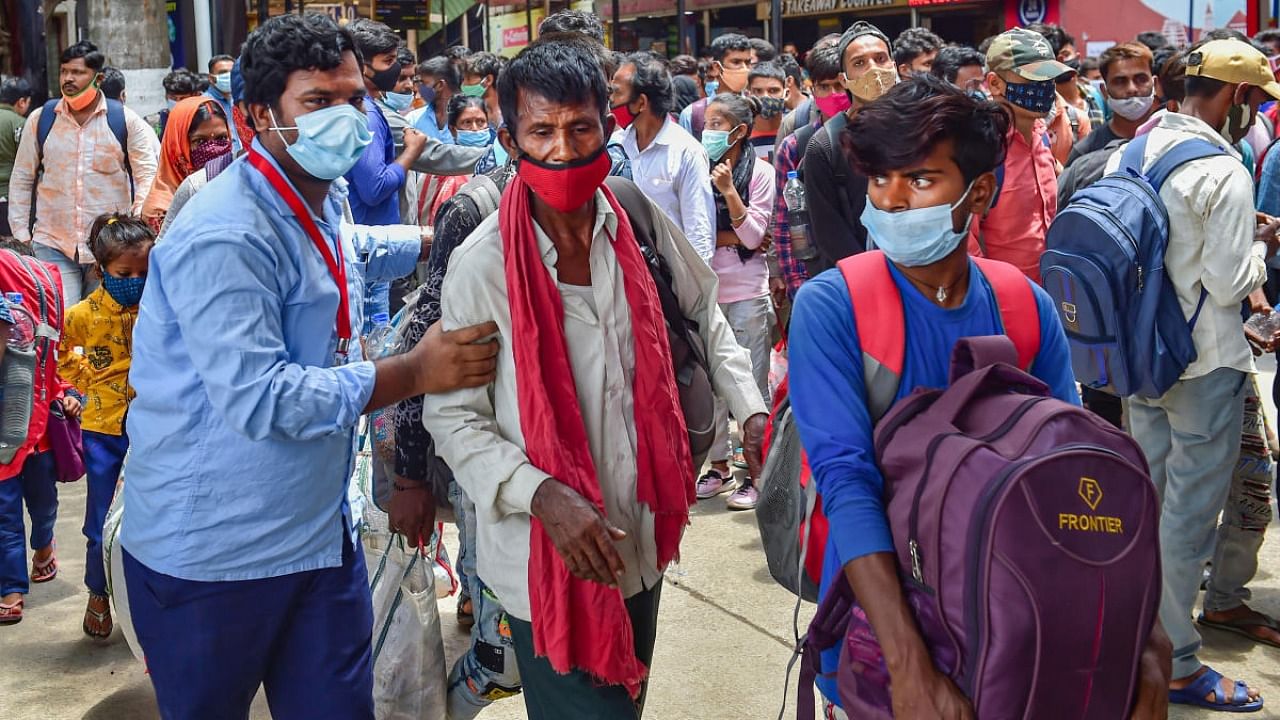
(1232, 61)
(1024, 53)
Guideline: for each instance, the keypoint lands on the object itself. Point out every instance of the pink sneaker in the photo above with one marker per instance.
(744, 498)
(712, 483)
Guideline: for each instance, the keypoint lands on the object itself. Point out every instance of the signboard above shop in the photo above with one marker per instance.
(404, 14)
(792, 8)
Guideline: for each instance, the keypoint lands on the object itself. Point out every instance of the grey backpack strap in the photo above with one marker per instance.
(484, 192)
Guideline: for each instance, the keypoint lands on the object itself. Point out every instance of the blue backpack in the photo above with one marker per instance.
(1104, 269)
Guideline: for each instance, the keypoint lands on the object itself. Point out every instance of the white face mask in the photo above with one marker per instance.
(1133, 108)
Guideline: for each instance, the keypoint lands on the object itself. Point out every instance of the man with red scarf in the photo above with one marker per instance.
(576, 455)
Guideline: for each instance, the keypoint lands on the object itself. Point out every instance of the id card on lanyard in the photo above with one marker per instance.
(336, 263)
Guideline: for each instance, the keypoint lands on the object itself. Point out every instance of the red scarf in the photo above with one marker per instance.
(579, 624)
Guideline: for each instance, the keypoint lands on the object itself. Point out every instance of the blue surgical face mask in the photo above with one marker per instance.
(474, 138)
(1036, 97)
(170, 104)
(427, 93)
(222, 81)
(398, 101)
(716, 143)
(330, 140)
(711, 86)
(913, 238)
(126, 291)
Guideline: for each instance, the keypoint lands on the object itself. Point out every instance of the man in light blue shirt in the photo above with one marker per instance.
(237, 540)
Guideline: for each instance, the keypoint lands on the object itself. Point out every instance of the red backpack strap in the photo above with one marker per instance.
(1019, 312)
(882, 331)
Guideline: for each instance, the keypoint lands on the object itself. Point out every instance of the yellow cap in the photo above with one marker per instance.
(1233, 61)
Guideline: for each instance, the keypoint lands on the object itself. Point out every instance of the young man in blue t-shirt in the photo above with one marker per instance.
(929, 152)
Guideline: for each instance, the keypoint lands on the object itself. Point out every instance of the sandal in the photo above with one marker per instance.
(1210, 681)
(1241, 625)
(103, 619)
(42, 573)
(466, 612)
(11, 614)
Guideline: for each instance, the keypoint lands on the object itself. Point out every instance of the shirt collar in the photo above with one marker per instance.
(605, 219)
(99, 105)
(1197, 127)
(337, 188)
(665, 136)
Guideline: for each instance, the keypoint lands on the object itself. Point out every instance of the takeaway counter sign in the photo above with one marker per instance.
(822, 7)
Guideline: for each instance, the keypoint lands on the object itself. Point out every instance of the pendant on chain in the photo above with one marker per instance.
(942, 295)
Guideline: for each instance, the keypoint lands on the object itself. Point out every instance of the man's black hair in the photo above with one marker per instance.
(1270, 35)
(457, 52)
(765, 51)
(1087, 64)
(914, 42)
(905, 124)
(652, 80)
(112, 83)
(483, 64)
(373, 38)
(985, 45)
(405, 57)
(574, 21)
(184, 82)
(219, 59)
(1152, 39)
(823, 63)
(93, 58)
(769, 70)
(727, 43)
(1057, 37)
(1224, 34)
(953, 57)
(790, 67)
(13, 89)
(1201, 87)
(287, 43)
(561, 68)
(443, 68)
(683, 65)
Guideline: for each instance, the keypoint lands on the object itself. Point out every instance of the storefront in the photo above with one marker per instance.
(969, 22)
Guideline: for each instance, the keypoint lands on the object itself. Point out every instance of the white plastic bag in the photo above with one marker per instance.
(409, 681)
(113, 560)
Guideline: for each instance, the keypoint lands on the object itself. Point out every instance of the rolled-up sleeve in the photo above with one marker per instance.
(23, 179)
(232, 325)
(390, 252)
(144, 157)
(1233, 266)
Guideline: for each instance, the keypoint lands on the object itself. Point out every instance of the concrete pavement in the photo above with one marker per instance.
(723, 645)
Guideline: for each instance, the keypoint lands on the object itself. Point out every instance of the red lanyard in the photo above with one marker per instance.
(337, 266)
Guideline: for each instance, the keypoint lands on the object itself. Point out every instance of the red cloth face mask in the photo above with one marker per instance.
(566, 186)
(833, 104)
(623, 115)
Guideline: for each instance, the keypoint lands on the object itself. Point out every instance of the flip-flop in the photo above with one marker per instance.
(1210, 681)
(103, 618)
(43, 573)
(11, 614)
(1240, 626)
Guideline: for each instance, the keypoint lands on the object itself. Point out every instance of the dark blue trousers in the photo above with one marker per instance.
(304, 637)
(103, 456)
(35, 486)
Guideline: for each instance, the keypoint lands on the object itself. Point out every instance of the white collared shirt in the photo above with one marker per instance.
(674, 172)
(1211, 245)
(478, 430)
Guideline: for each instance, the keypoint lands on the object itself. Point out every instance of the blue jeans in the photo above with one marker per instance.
(103, 456)
(36, 485)
(305, 637)
(78, 279)
(488, 671)
(1191, 437)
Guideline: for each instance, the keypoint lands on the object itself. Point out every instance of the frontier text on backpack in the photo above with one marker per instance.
(1104, 268)
(1025, 531)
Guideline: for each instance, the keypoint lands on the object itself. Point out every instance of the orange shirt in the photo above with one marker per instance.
(1014, 230)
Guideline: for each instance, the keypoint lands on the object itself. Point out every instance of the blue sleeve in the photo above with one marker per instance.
(373, 179)
(686, 118)
(828, 399)
(232, 324)
(389, 252)
(1053, 362)
(1269, 184)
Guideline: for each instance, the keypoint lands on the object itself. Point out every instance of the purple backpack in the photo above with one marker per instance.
(1026, 531)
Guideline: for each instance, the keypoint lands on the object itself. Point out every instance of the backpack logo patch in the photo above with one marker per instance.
(1090, 492)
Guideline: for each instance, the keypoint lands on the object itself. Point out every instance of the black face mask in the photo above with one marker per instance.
(385, 80)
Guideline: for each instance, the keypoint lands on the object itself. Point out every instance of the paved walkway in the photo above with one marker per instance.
(723, 644)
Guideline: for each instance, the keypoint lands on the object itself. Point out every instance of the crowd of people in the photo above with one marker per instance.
(595, 259)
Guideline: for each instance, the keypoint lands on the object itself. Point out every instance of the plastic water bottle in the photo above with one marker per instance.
(17, 379)
(375, 341)
(21, 335)
(798, 217)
